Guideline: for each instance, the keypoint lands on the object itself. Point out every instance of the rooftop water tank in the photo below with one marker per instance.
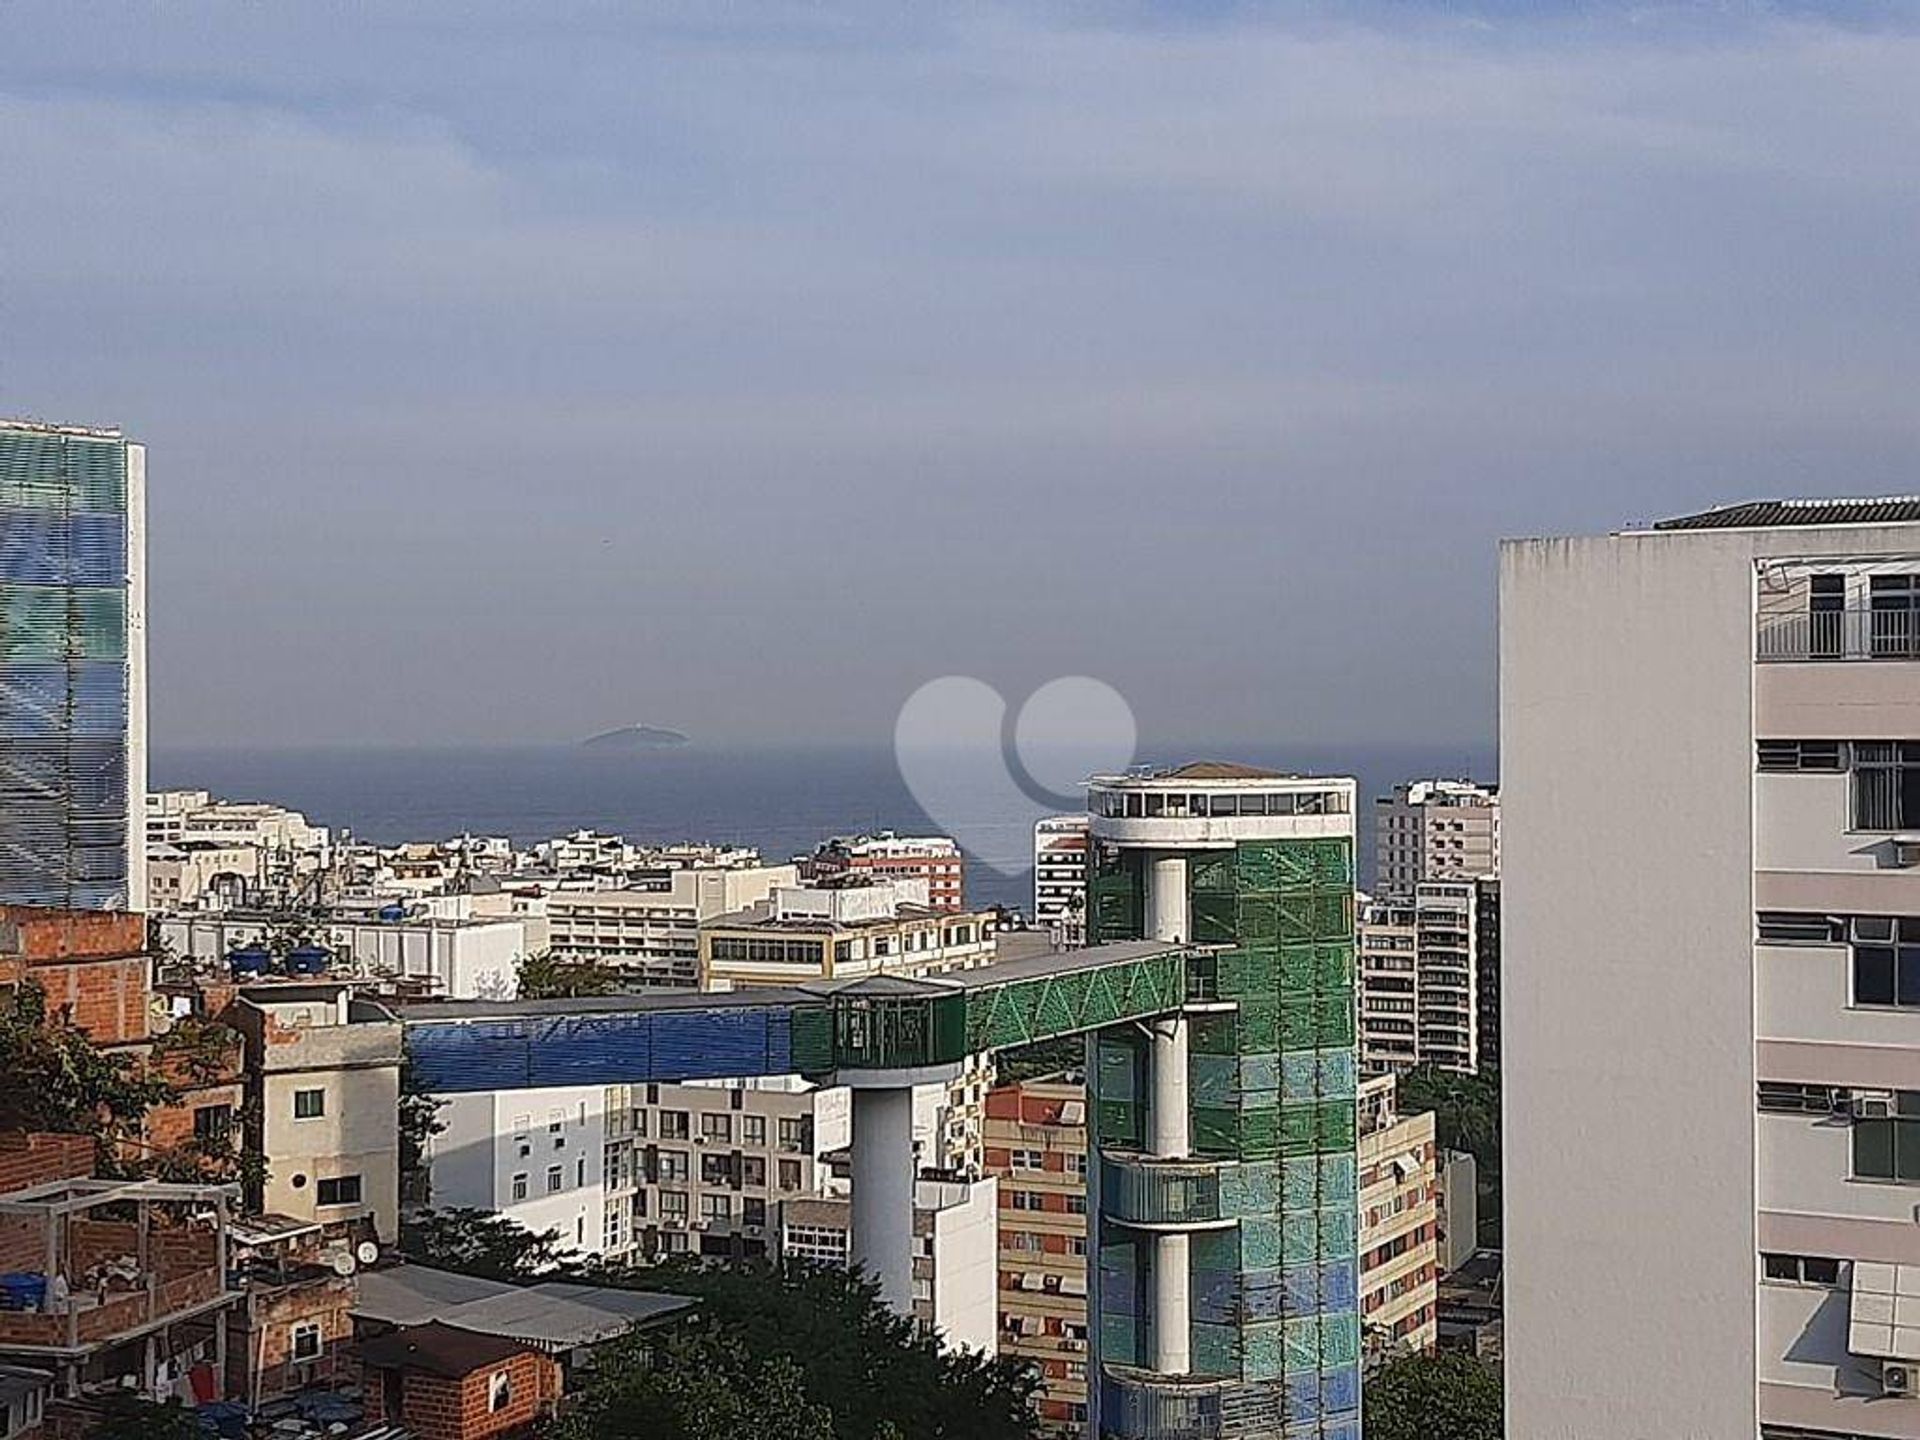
(248, 960)
(308, 960)
(391, 913)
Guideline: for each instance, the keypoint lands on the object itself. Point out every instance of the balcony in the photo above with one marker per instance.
(1852, 633)
(1138, 1190)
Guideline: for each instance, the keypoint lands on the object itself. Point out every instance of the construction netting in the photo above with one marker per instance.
(63, 669)
(1271, 1086)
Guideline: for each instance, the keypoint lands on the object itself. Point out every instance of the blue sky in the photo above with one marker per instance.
(512, 371)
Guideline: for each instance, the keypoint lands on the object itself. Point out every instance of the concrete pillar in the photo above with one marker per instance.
(883, 1175)
(1167, 917)
(1171, 1122)
(1172, 1304)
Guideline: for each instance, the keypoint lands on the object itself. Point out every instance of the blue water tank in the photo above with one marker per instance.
(308, 960)
(249, 960)
(392, 913)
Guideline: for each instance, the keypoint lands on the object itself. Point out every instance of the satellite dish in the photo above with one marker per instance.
(341, 1262)
(367, 1252)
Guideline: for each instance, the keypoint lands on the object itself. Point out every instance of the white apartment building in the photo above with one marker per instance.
(1710, 738)
(841, 932)
(955, 1240)
(534, 1156)
(1399, 1224)
(1435, 830)
(1421, 970)
(454, 959)
(653, 933)
(1060, 878)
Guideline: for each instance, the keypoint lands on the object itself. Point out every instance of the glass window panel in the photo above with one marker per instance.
(1873, 980)
(1873, 1149)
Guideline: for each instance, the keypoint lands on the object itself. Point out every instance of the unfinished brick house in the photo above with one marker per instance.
(440, 1383)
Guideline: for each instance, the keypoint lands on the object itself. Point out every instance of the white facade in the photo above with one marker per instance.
(1060, 878)
(656, 932)
(534, 1156)
(1707, 1055)
(475, 959)
(1435, 830)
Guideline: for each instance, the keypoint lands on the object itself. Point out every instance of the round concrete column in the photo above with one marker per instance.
(883, 1175)
(1167, 917)
(1171, 1132)
(1172, 1304)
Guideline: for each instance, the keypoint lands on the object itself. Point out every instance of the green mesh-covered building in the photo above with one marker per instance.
(1225, 1296)
(72, 668)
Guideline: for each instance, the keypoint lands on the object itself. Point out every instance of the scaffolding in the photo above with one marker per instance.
(63, 668)
(1272, 1075)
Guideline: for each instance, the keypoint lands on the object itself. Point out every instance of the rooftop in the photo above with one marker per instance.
(439, 1349)
(1196, 772)
(1782, 514)
(553, 1315)
(47, 427)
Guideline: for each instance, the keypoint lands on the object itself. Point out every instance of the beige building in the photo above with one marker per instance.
(1399, 1225)
(1421, 980)
(841, 932)
(1036, 1145)
(323, 1080)
(1435, 830)
(1710, 738)
(653, 933)
(202, 874)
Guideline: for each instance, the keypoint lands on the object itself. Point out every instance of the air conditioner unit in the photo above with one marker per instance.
(1897, 1378)
(1872, 1104)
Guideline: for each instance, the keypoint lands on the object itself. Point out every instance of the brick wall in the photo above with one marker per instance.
(439, 1409)
(29, 1160)
(260, 1338)
(39, 935)
(107, 998)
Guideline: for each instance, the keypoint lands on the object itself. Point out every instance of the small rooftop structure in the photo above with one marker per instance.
(439, 1349)
(555, 1316)
(1782, 514)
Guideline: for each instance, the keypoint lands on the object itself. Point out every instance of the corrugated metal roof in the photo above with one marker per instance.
(1778, 514)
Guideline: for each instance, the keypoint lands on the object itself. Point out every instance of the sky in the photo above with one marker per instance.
(511, 371)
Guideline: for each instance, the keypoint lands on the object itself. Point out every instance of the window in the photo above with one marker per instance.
(520, 1185)
(796, 1132)
(1809, 756)
(555, 1178)
(1076, 1204)
(522, 1147)
(675, 1244)
(753, 1129)
(789, 1174)
(640, 1124)
(1025, 1199)
(212, 1124)
(306, 1341)
(1894, 603)
(1783, 1097)
(753, 1170)
(716, 1169)
(673, 1167)
(342, 1190)
(309, 1104)
(1801, 1270)
(753, 1212)
(499, 1391)
(1778, 927)
(716, 1207)
(555, 1122)
(580, 1171)
(1889, 1149)
(1886, 785)
(673, 1204)
(1886, 960)
(1826, 610)
(716, 1129)
(1029, 1160)
(673, 1125)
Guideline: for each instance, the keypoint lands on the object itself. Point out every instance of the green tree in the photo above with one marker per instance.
(477, 1242)
(698, 1385)
(874, 1374)
(1466, 1116)
(419, 1122)
(58, 1079)
(546, 977)
(1444, 1396)
(130, 1418)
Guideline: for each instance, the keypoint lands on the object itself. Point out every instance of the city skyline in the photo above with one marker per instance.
(506, 387)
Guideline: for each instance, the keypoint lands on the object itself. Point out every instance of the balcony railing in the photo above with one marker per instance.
(1855, 633)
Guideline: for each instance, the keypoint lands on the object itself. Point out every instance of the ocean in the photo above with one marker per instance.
(782, 801)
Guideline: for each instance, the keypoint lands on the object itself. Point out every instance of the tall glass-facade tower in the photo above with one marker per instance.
(73, 746)
(1226, 1276)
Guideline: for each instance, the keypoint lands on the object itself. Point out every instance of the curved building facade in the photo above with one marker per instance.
(1225, 1295)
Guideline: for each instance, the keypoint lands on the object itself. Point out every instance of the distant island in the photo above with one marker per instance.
(635, 737)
